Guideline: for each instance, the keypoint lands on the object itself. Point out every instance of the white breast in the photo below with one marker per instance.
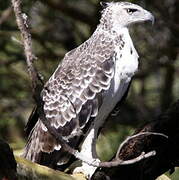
(125, 67)
(126, 64)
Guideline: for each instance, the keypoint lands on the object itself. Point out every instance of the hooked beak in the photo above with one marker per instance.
(149, 17)
(144, 16)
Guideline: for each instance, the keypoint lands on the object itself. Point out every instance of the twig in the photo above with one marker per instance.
(118, 162)
(143, 155)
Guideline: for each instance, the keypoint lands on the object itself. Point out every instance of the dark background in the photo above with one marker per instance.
(58, 26)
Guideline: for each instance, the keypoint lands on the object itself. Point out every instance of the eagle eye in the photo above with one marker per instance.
(131, 11)
(104, 4)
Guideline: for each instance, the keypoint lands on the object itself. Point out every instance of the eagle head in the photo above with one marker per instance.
(123, 14)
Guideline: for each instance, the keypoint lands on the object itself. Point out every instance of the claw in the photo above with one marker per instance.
(90, 161)
(89, 165)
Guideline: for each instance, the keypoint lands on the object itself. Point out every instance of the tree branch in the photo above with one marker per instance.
(167, 151)
(27, 42)
(119, 162)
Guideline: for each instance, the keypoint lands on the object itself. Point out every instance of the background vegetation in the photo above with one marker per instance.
(58, 26)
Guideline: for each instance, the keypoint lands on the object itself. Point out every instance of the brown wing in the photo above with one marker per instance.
(84, 72)
(71, 96)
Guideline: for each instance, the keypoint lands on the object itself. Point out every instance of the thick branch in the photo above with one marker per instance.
(32, 171)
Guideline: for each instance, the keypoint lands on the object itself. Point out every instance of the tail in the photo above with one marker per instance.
(42, 147)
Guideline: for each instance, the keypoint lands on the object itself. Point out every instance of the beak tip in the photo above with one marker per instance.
(152, 18)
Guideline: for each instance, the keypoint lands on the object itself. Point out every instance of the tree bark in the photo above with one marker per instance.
(32, 171)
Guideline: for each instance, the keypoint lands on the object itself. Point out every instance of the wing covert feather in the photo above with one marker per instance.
(76, 83)
(84, 72)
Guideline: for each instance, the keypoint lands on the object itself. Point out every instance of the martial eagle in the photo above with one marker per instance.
(86, 86)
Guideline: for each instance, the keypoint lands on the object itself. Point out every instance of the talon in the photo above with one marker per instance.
(81, 170)
(95, 162)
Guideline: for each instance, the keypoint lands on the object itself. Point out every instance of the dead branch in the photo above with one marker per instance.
(167, 151)
(21, 19)
(117, 161)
